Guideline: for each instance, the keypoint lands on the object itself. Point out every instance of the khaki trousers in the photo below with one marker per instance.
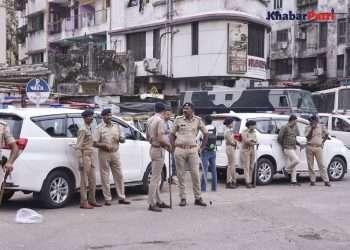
(188, 157)
(312, 153)
(231, 168)
(157, 157)
(293, 160)
(248, 159)
(111, 162)
(87, 180)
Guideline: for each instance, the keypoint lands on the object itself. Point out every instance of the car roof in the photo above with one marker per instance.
(32, 112)
(255, 115)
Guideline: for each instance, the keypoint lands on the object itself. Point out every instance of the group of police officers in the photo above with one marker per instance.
(183, 144)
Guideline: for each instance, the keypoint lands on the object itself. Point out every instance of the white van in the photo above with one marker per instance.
(338, 126)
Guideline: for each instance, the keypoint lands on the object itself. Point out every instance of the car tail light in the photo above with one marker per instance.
(21, 144)
(238, 137)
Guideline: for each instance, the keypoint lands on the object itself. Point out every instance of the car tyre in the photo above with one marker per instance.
(265, 171)
(7, 195)
(56, 190)
(336, 169)
(147, 178)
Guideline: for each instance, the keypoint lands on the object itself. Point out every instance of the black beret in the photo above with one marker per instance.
(106, 111)
(159, 107)
(87, 113)
(228, 120)
(187, 104)
(250, 123)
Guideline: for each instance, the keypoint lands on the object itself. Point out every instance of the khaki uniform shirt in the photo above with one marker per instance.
(287, 137)
(109, 135)
(247, 137)
(84, 141)
(5, 135)
(186, 130)
(155, 128)
(228, 135)
(317, 135)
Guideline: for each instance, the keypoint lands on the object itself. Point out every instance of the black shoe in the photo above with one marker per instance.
(124, 202)
(154, 208)
(295, 184)
(249, 186)
(327, 184)
(163, 205)
(108, 203)
(183, 203)
(200, 202)
(312, 183)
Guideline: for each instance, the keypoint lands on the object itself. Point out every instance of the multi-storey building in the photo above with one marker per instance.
(311, 53)
(2, 32)
(176, 44)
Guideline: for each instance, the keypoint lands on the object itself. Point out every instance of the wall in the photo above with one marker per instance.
(2, 33)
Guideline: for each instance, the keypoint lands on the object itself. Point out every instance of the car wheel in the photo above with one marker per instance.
(147, 179)
(57, 190)
(265, 171)
(7, 195)
(336, 169)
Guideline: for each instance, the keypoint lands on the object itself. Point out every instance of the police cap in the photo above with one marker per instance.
(228, 121)
(187, 104)
(159, 107)
(87, 113)
(250, 123)
(106, 111)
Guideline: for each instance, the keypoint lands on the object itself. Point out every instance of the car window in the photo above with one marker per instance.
(125, 130)
(74, 124)
(218, 123)
(279, 101)
(324, 121)
(53, 126)
(265, 126)
(279, 124)
(14, 123)
(339, 124)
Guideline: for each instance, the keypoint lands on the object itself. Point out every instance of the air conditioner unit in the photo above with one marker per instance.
(152, 65)
(318, 71)
(283, 45)
(301, 35)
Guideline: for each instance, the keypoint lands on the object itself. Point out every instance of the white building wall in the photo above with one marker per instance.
(2, 33)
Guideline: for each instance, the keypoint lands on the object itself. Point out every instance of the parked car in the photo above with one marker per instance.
(338, 126)
(47, 165)
(269, 156)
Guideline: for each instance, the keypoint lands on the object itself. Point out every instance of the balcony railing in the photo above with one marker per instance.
(78, 22)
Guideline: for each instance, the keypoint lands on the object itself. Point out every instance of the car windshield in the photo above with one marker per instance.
(344, 100)
(14, 123)
(302, 100)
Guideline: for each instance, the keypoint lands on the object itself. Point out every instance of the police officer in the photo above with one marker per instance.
(183, 138)
(231, 146)
(157, 138)
(249, 140)
(316, 136)
(6, 138)
(107, 141)
(84, 149)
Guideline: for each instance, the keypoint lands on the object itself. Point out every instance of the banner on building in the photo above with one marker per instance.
(237, 47)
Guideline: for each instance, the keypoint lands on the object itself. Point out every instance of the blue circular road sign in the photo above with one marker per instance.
(38, 91)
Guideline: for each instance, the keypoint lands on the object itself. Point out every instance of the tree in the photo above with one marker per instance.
(11, 33)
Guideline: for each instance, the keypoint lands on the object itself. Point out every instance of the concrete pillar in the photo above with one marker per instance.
(2, 32)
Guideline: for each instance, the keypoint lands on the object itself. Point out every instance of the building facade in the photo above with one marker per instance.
(2, 32)
(314, 52)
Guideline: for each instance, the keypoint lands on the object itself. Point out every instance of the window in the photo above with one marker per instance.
(340, 62)
(195, 38)
(279, 124)
(53, 126)
(256, 40)
(156, 44)
(211, 97)
(344, 100)
(341, 31)
(307, 65)
(36, 22)
(266, 127)
(228, 97)
(323, 35)
(137, 44)
(324, 121)
(14, 123)
(340, 125)
(277, 4)
(38, 58)
(132, 3)
(279, 101)
(283, 66)
(282, 35)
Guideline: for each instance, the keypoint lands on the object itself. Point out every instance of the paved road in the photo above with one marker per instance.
(277, 216)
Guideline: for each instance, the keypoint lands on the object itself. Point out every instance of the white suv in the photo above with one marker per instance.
(270, 157)
(47, 165)
(338, 126)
